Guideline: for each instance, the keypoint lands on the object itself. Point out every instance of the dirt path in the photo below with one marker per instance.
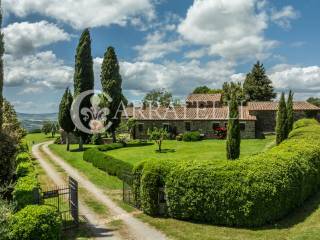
(136, 228)
(95, 223)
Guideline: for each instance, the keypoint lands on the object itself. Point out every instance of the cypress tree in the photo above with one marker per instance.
(111, 84)
(281, 126)
(290, 113)
(1, 68)
(257, 86)
(65, 119)
(233, 130)
(83, 78)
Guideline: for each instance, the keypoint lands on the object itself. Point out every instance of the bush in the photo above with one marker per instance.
(111, 165)
(96, 139)
(24, 168)
(58, 140)
(252, 191)
(179, 137)
(25, 191)
(304, 123)
(191, 136)
(35, 223)
(8, 151)
(6, 211)
(110, 146)
(23, 157)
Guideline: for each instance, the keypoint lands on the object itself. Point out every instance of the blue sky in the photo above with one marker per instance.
(177, 45)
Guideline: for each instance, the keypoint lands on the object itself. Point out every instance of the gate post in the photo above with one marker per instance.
(74, 206)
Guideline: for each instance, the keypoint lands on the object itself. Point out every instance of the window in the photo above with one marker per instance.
(215, 125)
(166, 126)
(242, 126)
(140, 127)
(188, 126)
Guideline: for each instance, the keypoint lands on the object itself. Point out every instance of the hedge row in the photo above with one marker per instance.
(111, 165)
(35, 223)
(252, 191)
(26, 188)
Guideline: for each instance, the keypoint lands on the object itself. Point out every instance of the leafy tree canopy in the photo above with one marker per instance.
(314, 101)
(158, 96)
(230, 89)
(206, 90)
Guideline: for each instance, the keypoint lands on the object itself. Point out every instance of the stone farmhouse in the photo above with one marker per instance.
(206, 113)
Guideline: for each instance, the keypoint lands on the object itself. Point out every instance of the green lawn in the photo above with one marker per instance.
(203, 150)
(74, 158)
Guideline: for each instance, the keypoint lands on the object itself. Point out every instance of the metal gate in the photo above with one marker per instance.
(65, 199)
(127, 192)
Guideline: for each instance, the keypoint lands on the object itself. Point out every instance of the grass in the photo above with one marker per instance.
(74, 158)
(34, 138)
(303, 224)
(202, 150)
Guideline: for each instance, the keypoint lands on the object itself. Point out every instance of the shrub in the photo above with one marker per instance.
(179, 137)
(111, 165)
(24, 168)
(191, 136)
(253, 191)
(96, 139)
(58, 140)
(23, 157)
(304, 123)
(8, 151)
(110, 146)
(6, 211)
(25, 191)
(35, 223)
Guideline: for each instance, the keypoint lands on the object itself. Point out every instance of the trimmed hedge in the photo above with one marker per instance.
(35, 223)
(23, 157)
(191, 136)
(252, 191)
(111, 146)
(24, 168)
(25, 190)
(111, 165)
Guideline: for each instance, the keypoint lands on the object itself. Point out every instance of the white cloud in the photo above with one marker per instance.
(156, 46)
(284, 16)
(83, 13)
(299, 79)
(41, 70)
(23, 38)
(178, 77)
(230, 29)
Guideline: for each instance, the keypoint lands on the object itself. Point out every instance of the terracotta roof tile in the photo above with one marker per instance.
(181, 113)
(204, 97)
(269, 106)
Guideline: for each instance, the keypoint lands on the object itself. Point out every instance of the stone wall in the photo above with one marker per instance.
(266, 120)
(179, 126)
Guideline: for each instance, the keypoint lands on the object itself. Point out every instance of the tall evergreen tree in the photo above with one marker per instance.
(1, 68)
(257, 86)
(233, 130)
(290, 113)
(83, 77)
(281, 126)
(65, 119)
(111, 84)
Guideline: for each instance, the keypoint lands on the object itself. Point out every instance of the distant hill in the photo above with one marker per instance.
(34, 121)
